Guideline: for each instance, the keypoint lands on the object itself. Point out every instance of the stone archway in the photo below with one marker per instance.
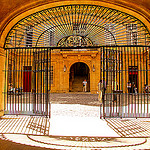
(78, 72)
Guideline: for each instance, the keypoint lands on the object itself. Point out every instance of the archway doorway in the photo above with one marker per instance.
(78, 72)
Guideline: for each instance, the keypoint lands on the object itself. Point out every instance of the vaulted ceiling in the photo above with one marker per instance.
(9, 6)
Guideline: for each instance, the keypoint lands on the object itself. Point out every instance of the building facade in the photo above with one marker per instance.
(54, 46)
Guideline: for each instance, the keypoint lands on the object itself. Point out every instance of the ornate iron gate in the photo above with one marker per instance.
(28, 81)
(125, 72)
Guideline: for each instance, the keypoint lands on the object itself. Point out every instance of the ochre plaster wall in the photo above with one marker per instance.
(61, 78)
(2, 79)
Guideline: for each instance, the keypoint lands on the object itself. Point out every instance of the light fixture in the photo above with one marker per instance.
(93, 68)
(65, 68)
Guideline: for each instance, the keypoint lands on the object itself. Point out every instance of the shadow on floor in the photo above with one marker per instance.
(9, 145)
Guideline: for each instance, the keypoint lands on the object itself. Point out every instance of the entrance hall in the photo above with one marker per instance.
(78, 72)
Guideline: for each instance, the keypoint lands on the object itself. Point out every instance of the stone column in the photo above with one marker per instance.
(2, 80)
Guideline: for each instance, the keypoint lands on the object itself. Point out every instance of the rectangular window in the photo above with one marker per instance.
(131, 30)
(51, 38)
(10, 73)
(83, 28)
(29, 35)
(48, 38)
(133, 78)
(79, 28)
(110, 33)
(76, 27)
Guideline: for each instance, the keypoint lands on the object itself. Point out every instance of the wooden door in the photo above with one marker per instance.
(27, 79)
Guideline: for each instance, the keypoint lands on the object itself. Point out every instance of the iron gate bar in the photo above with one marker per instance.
(137, 84)
(47, 85)
(103, 53)
(148, 76)
(131, 101)
(131, 85)
(41, 81)
(143, 70)
(124, 68)
(138, 94)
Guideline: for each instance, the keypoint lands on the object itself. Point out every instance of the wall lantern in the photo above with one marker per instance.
(65, 68)
(93, 68)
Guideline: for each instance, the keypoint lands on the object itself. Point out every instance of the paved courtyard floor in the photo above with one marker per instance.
(73, 126)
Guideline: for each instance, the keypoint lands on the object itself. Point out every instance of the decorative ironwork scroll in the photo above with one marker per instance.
(73, 41)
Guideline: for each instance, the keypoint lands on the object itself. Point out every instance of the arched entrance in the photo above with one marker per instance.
(38, 45)
(78, 72)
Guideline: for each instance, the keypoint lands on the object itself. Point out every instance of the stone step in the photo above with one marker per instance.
(77, 89)
(77, 84)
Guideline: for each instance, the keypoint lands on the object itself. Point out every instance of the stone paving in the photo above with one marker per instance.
(130, 127)
(56, 143)
(75, 110)
(81, 98)
(34, 132)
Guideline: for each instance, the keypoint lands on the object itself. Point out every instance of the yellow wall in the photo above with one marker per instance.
(61, 78)
(2, 79)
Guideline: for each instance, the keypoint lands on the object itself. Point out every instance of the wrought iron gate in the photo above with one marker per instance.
(28, 81)
(125, 72)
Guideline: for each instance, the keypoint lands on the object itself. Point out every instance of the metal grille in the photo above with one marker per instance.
(77, 25)
(125, 72)
(28, 81)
